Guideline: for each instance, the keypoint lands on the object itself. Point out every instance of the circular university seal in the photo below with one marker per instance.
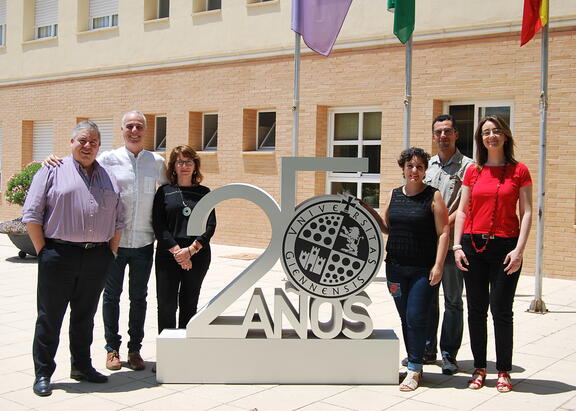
(332, 248)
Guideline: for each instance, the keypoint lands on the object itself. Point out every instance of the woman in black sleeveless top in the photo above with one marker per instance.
(416, 221)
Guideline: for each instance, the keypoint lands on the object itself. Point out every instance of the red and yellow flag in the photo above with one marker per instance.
(535, 17)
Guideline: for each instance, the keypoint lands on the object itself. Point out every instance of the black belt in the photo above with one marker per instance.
(75, 244)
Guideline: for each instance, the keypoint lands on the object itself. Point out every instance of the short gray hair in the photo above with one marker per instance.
(138, 113)
(85, 125)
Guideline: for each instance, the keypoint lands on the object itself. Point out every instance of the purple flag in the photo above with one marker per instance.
(319, 22)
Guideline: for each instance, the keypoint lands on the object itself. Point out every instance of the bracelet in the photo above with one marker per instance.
(456, 247)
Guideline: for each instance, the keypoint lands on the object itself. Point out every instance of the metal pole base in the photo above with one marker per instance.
(537, 306)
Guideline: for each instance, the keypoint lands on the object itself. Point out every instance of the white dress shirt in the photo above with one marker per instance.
(138, 177)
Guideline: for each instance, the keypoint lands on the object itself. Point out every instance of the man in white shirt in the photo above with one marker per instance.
(138, 173)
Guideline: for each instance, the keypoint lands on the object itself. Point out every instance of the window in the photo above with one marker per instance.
(163, 9)
(206, 5)
(468, 114)
(210, 132)
(258, 1)
(160, 133)
(2, 22)
(103, 14)
(42, 137)
(266, 130)
(106, 127)
(46, 18)
(356, 133)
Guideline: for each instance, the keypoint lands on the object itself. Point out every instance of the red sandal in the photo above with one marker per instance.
(478, 378)
(504, 383)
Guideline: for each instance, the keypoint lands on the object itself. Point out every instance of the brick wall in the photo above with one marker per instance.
(472, 69)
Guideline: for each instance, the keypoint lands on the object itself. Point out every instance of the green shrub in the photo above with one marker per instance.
(18, 185)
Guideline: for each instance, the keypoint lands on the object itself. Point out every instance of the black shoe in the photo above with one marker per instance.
(89, 374)
(428, 359)
(42, 386)
(449, 365)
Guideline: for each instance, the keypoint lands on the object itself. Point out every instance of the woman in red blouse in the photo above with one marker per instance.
(489, 242)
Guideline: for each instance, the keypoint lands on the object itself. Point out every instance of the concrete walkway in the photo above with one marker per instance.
(544, 371)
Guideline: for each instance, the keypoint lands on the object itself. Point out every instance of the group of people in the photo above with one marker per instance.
(89, 216)
(449, 196)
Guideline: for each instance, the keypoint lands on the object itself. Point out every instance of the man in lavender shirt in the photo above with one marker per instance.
(74, 216)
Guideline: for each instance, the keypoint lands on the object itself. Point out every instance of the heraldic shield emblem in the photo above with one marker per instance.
(332, 247)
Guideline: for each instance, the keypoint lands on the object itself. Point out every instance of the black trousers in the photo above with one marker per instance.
(67, 275)
(488, 285)
(177, 288)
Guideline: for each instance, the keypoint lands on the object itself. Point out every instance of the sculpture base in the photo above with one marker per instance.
(290, 360)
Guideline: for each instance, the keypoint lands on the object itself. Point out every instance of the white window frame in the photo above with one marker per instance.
(52, 31)
(260, 147)
(352, 177)
(208, 139)
(157, 145)
(481, 104)
(111, 22)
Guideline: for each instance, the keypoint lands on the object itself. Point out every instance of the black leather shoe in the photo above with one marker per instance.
(42, 386)
(89, 374)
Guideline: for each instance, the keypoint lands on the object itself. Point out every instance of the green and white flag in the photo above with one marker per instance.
(404, 15)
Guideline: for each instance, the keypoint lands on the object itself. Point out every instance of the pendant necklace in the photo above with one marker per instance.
(186, 211)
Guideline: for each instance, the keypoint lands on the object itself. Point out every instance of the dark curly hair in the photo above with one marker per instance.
(412, 152)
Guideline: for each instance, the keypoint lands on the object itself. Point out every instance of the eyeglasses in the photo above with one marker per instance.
(184, 163)
(447, 131)
(495, 131)
(92, 143)
(136, 126)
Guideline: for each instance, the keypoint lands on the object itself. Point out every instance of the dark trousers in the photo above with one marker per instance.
(139, 261)
(412, 293)
(67, 275)
(177, 288)
(488, 285)
(453, 320)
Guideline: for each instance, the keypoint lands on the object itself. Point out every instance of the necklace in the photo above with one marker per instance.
(493, 218)
(186, 211)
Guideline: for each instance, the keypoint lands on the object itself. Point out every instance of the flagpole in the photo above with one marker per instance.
(296, 99)
(408, 93)
(537, 305)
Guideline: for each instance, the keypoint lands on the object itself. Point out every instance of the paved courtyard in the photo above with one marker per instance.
(544, 356)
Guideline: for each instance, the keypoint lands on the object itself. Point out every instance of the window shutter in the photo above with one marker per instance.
(2, 12)
(106, 127)
(43, 135)
(46, 12)
(100, 8)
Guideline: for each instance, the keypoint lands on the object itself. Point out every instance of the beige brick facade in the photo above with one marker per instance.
(491, 67)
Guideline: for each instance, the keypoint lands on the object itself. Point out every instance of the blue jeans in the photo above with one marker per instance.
(412, 294)
(139, 261)
(453, 321)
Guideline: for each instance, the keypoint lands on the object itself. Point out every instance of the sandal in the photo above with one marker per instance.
(411, 381)
(504, 383)
(478, 378)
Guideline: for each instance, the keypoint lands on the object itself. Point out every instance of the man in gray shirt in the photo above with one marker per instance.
(446, 173)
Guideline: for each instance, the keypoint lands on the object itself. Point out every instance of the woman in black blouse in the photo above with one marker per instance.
(181, 261)
(416, 220)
